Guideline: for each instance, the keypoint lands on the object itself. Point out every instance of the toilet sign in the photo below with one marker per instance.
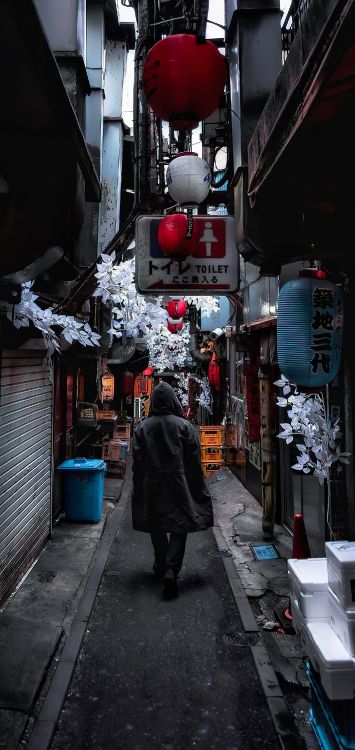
(213, 270)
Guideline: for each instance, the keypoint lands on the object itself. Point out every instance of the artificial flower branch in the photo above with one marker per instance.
(308, 420)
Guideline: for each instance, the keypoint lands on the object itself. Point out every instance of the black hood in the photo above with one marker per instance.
(164, 401)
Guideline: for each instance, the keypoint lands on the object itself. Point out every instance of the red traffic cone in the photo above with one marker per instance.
(300, 550)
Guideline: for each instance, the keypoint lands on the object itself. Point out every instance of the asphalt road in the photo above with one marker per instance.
(166, 675)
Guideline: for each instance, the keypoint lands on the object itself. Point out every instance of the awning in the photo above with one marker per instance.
(45, 166)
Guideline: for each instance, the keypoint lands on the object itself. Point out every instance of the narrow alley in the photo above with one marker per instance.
(113, 664)
(177, 374)
(160, 674)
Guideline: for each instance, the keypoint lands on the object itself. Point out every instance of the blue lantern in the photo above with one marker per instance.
(310, 323)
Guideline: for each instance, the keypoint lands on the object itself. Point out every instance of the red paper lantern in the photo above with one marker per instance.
(178, 235)
(183, 80)
(213, 374)
(174, 326)
(126, 383)
(176, 308)
(148, 371)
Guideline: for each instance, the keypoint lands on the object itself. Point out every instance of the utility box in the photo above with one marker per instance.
(83, 488)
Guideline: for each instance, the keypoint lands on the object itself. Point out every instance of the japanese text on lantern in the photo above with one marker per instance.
(326, 328)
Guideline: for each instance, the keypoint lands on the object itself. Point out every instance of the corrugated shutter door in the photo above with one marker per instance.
(25, 462)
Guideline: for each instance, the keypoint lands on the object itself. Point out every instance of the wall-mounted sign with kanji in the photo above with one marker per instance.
(214, 270)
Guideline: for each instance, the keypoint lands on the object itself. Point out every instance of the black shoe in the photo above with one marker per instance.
(160, 572)
(170, 588)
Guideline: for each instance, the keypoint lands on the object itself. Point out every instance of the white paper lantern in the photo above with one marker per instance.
(188, 179)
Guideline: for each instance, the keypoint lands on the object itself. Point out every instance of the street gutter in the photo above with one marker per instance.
(284, 725)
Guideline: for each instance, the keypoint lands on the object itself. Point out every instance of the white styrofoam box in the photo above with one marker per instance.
(331, 660)
(309, 586)
(299, 623)
(342, 622)
(341, 571)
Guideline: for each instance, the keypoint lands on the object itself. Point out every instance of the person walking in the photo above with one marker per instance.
(170, 496)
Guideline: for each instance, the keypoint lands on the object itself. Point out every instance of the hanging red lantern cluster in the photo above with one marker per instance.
(174, 325)
(176, 308)
(183, 79)
(178, 236)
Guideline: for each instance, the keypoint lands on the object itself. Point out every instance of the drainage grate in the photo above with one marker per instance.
(264, 551)
(240, 639)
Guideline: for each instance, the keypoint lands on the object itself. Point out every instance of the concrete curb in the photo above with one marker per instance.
(43, 731)
(284, 725)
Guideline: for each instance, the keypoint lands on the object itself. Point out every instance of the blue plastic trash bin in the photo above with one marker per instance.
(83, 488)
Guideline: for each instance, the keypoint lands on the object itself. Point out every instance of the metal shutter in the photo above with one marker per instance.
(25, 462)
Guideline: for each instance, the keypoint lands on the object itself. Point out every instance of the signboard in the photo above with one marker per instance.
(143, 387)
(214, 270)
(87, 414)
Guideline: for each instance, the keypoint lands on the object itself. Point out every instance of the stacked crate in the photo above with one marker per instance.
(123, 432)
(212, 449)
(232, 454)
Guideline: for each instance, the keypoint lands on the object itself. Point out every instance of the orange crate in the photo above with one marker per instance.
(211, 468)
(211, 453)
(212, 435)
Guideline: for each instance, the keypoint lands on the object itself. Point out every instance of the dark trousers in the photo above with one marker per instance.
(169, 553)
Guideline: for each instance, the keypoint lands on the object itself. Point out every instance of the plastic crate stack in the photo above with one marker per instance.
(212, 449)
(114, 450)
(230, 450)
(323, 612)
(123, 432)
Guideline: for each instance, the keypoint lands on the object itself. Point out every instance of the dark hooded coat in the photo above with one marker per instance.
(169, 489)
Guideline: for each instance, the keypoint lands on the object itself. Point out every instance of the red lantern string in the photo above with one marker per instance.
(175, 326)
(176, 308)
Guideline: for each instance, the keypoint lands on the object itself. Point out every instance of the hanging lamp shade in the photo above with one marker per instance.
(310, 323)
(148, 371)
(178, 236)
(188, 179)
(174, 326)
(183, 80)
(126, 383)
(108, 386)
(176, 308)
